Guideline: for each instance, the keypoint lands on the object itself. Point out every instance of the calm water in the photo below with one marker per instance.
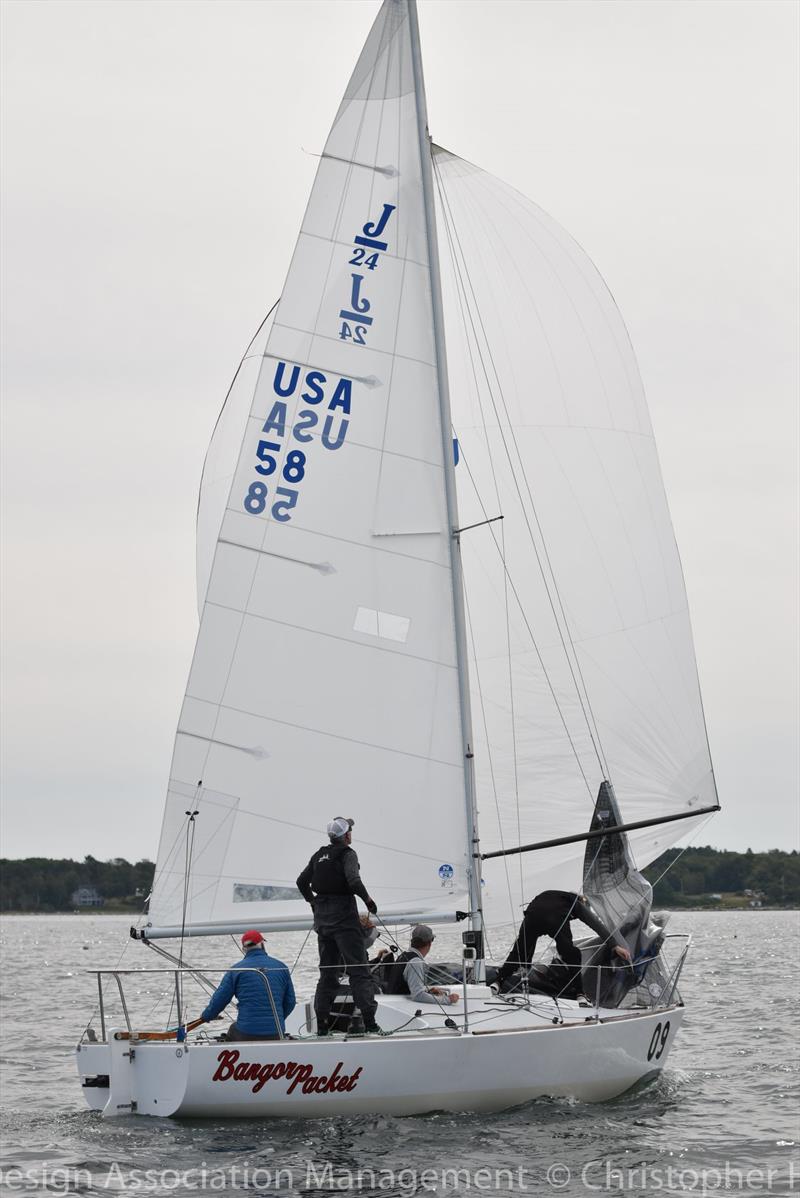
(723, 1117)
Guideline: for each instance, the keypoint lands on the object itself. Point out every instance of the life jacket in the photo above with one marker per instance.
(328, 876)
(393, 981)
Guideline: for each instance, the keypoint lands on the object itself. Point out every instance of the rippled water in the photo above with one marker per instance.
(722, 1118)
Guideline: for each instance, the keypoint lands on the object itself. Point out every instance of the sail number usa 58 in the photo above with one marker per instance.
(276, 458)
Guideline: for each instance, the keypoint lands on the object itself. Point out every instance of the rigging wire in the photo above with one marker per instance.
(501, 547)
(596, 743)
(550, 584)
(545, 672)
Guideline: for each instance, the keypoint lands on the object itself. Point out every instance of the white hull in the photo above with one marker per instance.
(507, 1057)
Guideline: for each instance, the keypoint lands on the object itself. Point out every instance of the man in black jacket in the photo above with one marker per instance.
(330, 882)
(549, 914)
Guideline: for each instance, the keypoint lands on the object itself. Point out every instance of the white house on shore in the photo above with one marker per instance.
(87, 896)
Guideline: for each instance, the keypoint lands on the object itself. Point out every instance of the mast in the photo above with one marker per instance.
(473, 842)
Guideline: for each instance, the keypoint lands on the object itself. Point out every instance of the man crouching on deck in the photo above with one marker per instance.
(262, 986)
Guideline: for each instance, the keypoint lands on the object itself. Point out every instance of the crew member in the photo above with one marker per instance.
(330, 882)
(262, 996)
(549, 914)
(406, 975)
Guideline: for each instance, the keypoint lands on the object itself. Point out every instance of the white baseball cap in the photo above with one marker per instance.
(340, 826)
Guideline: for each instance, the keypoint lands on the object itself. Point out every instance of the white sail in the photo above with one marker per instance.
(223, 454)
(582, 660)
(324, 679)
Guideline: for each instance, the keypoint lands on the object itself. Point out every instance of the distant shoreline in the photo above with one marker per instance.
(694, 878)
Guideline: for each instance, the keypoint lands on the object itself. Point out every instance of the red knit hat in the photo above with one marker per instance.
(251, 938)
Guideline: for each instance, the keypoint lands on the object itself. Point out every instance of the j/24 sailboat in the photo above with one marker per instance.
(439, 590)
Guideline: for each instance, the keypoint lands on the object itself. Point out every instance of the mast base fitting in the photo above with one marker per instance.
(473, 939)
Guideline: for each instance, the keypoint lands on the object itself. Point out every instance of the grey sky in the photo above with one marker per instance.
(155, 178)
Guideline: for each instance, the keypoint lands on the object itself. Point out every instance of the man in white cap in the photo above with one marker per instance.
(407, 974)
(330, 882)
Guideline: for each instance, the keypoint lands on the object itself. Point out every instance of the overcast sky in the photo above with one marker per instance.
(156, 169)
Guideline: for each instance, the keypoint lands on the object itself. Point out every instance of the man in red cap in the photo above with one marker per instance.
(262, 986)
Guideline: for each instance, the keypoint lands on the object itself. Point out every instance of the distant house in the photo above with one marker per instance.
(87, 896)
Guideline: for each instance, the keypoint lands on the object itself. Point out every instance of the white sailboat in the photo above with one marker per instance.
(439, 591)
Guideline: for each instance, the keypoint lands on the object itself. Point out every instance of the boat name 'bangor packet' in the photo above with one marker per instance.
(295, 1075)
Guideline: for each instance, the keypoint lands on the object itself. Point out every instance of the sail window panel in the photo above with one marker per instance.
(382, 624)
(385, 698)
(312, 582)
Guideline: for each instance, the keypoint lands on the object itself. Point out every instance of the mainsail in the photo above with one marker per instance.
(324, 679)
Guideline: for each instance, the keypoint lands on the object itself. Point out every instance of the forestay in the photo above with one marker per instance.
(582, 664)
(324, 679)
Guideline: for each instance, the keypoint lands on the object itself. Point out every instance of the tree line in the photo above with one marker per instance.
(44, 884)
(694, 874)
(690, 877)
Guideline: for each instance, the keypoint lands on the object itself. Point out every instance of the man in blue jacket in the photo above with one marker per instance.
(256, 1017)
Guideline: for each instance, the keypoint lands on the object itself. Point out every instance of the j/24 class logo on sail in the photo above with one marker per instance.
(278, 432)
(367, 250)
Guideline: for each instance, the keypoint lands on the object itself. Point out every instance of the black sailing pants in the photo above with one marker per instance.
(531, 928)
(341, 948)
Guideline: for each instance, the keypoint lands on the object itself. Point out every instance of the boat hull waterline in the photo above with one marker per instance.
(406, 1074)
